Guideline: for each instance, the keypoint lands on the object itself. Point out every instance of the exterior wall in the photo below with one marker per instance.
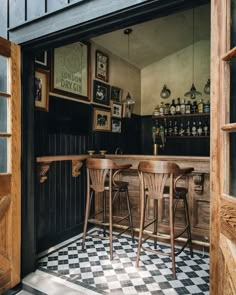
(3, 19)
(176, 72)
(60, 15)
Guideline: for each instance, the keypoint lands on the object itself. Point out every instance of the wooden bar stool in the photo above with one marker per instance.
(102, 177)
(158, 181)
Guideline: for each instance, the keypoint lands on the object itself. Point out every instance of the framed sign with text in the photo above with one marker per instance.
(70, 70)
(102, 66)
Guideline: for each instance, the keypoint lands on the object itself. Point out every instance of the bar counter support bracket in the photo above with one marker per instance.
(43, 168)
(198, 180)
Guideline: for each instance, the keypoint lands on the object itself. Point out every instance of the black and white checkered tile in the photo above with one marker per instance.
(93, 269)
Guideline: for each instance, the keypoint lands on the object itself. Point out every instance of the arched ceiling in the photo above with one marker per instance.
(153, 40)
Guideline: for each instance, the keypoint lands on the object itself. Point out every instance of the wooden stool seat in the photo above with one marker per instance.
(103, 177)
(158, 182)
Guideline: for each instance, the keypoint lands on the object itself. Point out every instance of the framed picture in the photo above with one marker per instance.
(41, 89)
(101, 93)
(70, 73)
(116, 110)
(116, 125)
(101, 120)
(42, 58)
(102, 66)
(116, 93)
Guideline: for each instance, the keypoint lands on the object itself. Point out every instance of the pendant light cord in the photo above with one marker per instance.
(193, 47)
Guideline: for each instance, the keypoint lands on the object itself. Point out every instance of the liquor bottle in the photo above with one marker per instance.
(156, 111)
(200, 106)
(165, 128)
(177, 107)
(167, 109)
(176, 129)
(188, 129)
(194, 107)
(205, 129)
(172, 107)
(182, 107)
(170, 129)
(199, 129)
(188, 107)
(194, 129)
(162, 107)
(206, 107)
(181, 129)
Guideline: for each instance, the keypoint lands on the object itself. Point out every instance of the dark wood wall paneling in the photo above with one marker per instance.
(60, 201)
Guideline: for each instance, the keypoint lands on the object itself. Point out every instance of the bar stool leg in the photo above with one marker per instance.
(130, 215)
(187, 219)
(155, 209)
(87, 212)
(110, 224)
(104, 212)
(143, 207)
(171, 217)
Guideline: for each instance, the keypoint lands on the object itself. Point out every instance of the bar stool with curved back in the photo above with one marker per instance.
(158, 180)
(101, 178)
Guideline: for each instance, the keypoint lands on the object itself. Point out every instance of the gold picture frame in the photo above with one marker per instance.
(70, 72)
(41, 89)
(101, 120)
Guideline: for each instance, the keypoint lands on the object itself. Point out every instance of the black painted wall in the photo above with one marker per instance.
(60, 201)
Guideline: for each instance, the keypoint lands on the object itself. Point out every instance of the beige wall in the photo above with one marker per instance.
(176, 72)
(121, 74)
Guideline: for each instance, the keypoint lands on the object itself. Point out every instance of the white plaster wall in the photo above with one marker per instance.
(121, 74)
(176, 72)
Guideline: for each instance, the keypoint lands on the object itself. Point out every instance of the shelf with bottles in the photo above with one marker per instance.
(182, 127)
(181, 115)
(182, 109)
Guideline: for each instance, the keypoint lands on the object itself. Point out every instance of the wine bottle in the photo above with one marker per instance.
(172, 108)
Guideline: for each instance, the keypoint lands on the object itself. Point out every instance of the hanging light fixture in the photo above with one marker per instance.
(192, 93)
(128, 101)
(207, 87)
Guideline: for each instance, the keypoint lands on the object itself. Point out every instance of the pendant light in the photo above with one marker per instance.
(128, 101)
(193, 93)
(207, 87)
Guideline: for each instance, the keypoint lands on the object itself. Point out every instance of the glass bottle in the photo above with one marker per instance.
(188, 129)
(194, 107)
(156, 111)
(199, 129)
(194, 129)
(188, 107)
(177, 107)
(167, 109)
(181, 129)
(205, 129)
(170, 129)
(165, 127)
(200, 106)
(176, 129)
(206, 107)
(182, 107)
(162, 108)
(172, 107)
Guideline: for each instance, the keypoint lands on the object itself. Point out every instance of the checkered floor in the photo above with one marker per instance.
(93, 270)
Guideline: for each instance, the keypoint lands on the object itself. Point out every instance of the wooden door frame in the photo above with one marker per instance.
(219, 46)
(128, 17)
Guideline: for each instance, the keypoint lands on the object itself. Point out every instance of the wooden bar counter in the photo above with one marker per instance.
(198, 197)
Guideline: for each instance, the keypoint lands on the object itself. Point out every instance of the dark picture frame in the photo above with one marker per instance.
(70, 70)
(102, 66)
(42, 58)
(116, 109)
(101, 93)
(101, 120)
(41, 89)
(116, 93)
(116, 126)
